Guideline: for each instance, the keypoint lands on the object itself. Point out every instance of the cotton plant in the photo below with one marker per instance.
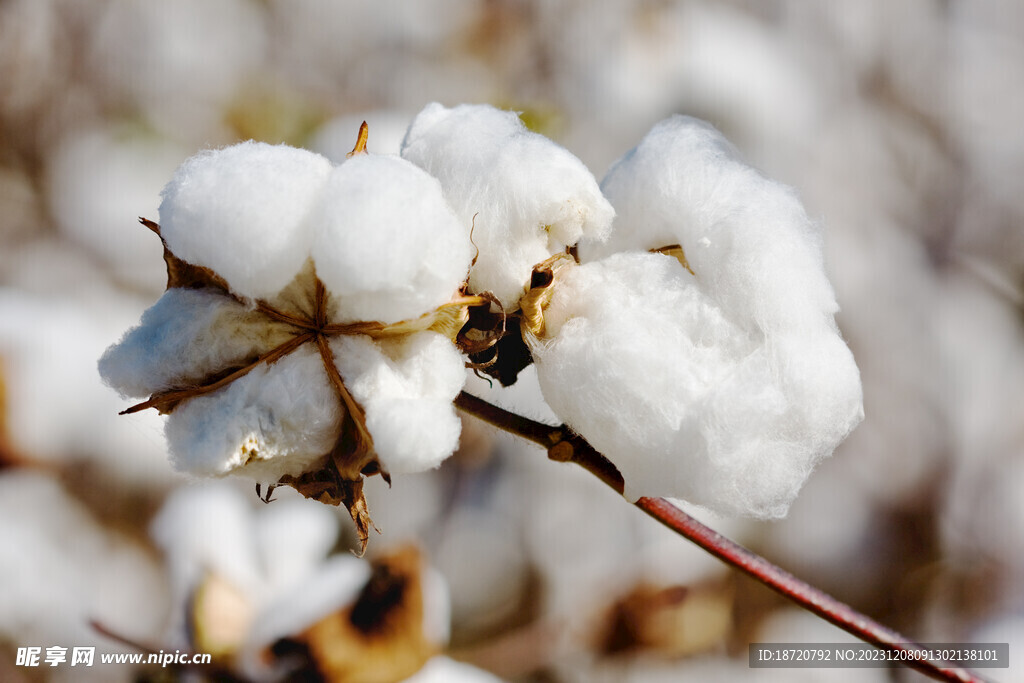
(318, 316)
(260, 590)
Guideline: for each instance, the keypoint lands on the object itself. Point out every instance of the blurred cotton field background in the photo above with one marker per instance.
(900, 125)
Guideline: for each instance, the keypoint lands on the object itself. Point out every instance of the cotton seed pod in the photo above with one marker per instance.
(712, 371)
(307, 333)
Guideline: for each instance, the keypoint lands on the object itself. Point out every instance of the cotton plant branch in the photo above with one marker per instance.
(563, 445)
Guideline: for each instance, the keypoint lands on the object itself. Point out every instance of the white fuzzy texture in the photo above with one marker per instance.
(386, 243)
(406, 388)
(242, 210)
(531, 197)
(276, 420)
(185, 336)
(48, 347)
(724, 388)
(387, 247)
(63, 568)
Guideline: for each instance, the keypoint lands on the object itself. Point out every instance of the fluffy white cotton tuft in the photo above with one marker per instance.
(185, 336)
(276, 420)
(724, 386)
(386, 243)
(685, 397)
(531, 198)
(242, 211)
(406, 387)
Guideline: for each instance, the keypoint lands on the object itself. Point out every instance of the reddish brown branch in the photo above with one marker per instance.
(565, 446)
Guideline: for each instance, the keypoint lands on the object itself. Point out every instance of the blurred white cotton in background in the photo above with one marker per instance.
(178, 62)
(68, 570)
(58, 409)
(101, 181)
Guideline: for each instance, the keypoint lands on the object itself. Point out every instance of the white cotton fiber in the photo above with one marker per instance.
(386, 243)
(242, 211)
(276, 420)
(184, 337)
(531, 198)
(406, 388)
(207, 529)
(746, 237)
(686, 397)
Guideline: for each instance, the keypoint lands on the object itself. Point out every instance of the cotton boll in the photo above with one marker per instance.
(205, 530)
(276, 420)
(185, 336)
(327, 586)
(530, 197)
(684, 401)
(386, 244)
(242, 210)
(406, 388)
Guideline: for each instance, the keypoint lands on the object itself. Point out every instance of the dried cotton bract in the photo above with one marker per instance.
(306, 334)
(714, 371)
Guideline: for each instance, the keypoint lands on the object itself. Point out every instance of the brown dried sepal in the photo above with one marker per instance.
(538, 296)
(675, 250)
(377, 639)
(340, 480)
(183, 274)
(360, 146)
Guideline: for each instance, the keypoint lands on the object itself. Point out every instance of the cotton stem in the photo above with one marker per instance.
(565, 446)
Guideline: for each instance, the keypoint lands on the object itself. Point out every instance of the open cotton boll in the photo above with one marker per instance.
(386, 243)
(204, 530)
(185, 336)
(747, 238)
(327, 586)
(685, 400)
(276, 420)
(241, 211)
(530, 197)
(406, 388)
